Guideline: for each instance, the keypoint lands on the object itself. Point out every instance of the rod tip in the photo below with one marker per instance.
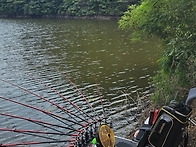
(79, 130)
(84, 125)
(72, 140)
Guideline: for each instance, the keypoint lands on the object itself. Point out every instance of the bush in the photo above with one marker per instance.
(173, 21)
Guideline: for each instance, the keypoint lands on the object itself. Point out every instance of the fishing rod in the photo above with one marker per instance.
(73, 104)
(38, 121)
(82, 96)
(46, 112)
(32, 143)
(39, 132)
(49, 113)
(69, 112)
(104, 114)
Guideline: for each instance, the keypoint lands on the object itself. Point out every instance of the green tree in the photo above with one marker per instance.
(7, 7)
(50, 6)
(174, 22)
(64, 7)
(95, 7)
(2, 6)
(33, 8)
(18, 7)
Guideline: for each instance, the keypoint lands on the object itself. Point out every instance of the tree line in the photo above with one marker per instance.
(64, 7)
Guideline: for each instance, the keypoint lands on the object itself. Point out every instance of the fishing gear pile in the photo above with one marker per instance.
(166, 127)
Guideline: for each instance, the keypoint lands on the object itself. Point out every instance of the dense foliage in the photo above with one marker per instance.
(174, 22)
(64, 7)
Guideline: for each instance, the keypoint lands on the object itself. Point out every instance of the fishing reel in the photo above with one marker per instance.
(105, 137)
(101, 136)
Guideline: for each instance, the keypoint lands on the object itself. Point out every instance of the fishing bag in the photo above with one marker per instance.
(169, 125)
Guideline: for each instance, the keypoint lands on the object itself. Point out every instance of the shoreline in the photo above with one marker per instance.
(96, 17)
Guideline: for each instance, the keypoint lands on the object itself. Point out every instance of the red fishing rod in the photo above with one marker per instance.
(82, 95)
(46, 112)
(61, 96)
(105, 116)
(69, 112)
(33, 143)
(38, 122)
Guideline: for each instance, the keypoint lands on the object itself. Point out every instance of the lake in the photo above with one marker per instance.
(88, 52)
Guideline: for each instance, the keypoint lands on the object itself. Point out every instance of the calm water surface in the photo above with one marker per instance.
(86, 51)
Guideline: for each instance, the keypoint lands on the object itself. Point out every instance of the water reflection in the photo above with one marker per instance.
(86, 51)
